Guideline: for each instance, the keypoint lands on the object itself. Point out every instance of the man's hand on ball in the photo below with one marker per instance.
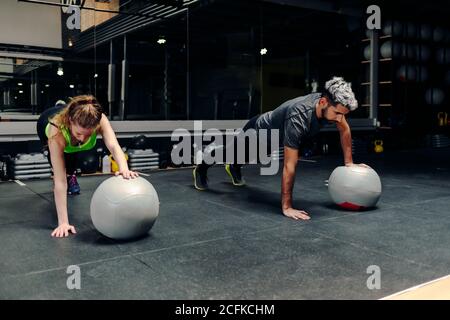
(363, 165)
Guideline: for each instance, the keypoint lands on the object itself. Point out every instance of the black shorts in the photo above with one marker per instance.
(70, 159)
(43, 121)
(250, 125)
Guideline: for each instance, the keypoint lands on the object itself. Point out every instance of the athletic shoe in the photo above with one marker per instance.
(200, 179)
(72, 185)
(235, 174)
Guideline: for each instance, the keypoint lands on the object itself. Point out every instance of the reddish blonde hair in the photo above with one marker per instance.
(84, 110)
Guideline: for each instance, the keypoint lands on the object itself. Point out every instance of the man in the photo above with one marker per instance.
(298, 120)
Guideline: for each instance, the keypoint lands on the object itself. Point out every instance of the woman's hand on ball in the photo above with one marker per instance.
(296, 214)
(363, 165)
(127, 174)
(63, 230)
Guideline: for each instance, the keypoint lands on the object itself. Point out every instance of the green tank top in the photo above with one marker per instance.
(89, 144)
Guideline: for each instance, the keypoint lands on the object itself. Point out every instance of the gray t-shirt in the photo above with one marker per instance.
(296, 119)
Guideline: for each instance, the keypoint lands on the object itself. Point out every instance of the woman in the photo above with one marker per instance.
(67, 130)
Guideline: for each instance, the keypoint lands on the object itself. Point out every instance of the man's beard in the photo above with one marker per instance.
(324, 111)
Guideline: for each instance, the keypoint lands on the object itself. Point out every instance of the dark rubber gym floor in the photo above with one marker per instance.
(233, 242)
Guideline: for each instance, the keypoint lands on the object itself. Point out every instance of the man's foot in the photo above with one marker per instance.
(235, 173)
(200, 179)
(72, 185)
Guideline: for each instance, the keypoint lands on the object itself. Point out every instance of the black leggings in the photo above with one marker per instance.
(70, 159)
(251, 124)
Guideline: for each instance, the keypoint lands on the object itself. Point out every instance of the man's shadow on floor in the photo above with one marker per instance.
(266, 202)
(270, 203)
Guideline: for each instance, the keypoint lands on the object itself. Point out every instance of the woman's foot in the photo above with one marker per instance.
(72, 185)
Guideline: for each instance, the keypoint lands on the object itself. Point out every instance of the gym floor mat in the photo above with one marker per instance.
(233, 242)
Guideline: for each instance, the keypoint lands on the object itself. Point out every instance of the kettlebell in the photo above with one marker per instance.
(114, 165)
(379, 146)
(442, 118)
(325, 148)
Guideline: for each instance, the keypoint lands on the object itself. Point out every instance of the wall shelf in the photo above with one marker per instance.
(380, 105)
(380, 82)
(381, 60)
(380, 37)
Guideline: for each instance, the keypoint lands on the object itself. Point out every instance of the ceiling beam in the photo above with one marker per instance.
(322, 5)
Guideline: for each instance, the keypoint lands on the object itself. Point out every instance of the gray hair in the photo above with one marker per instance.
(341, 92)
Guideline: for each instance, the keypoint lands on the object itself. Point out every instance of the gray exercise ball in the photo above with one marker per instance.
(443, 55)
(411, 51)
(438, 34)
(434, 96)
(422, 73)
(367, 52)
(124, 208)
(406, 73)
(354, 187)
(392, 28)
(411, 30)
(389, 49)
(425, 31)
(408, 51)
(423, 53)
